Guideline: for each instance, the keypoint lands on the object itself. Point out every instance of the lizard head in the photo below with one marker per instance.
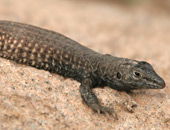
(132, 74)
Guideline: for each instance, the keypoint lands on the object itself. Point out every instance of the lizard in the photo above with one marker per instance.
(56, 53)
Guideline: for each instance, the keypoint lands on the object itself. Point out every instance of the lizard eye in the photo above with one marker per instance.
(137, 74)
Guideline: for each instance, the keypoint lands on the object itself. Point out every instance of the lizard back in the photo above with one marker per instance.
(45, 49)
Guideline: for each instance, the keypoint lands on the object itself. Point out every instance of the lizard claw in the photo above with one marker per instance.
(105, 110)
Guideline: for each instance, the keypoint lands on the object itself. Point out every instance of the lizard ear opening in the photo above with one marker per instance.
(118, 75)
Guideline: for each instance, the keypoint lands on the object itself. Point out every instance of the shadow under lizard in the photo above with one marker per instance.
(48, 50)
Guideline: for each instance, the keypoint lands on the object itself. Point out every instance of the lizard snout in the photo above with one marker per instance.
(161, 83)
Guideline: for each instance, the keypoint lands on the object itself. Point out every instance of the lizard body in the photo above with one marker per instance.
(45, 49)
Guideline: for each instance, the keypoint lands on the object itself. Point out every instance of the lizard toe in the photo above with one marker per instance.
(107, 111)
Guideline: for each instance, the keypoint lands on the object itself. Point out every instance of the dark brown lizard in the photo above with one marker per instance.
(59, 54)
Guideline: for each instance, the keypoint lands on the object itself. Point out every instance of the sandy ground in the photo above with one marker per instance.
(36, 99)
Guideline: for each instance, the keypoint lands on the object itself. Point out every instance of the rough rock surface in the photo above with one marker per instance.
(36, 99)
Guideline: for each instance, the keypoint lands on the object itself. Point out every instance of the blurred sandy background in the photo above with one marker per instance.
(138, 29)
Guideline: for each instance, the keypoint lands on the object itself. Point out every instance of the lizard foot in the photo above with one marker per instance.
(105, 110)
(129, 106)
(127, 102)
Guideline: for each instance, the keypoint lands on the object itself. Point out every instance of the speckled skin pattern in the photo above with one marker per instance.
(59, 54)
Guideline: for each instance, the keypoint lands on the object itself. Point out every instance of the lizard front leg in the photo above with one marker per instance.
(90, 98)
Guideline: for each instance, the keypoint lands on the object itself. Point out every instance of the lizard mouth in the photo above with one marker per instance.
(157, 84)
(160, 84)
